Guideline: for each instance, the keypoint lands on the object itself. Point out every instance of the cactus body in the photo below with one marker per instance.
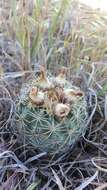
(55, 124)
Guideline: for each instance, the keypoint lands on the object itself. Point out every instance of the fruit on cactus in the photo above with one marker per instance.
(52, 113)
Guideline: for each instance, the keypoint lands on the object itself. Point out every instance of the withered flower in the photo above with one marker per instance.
(72, 95)
(61, 110)
(43, 80)
(36, 97)
(61, 78)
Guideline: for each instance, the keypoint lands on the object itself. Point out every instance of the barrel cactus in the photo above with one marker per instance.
(51, 112)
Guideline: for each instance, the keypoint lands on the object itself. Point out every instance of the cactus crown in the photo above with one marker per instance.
(52, 112)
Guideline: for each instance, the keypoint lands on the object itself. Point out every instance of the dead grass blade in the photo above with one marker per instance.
(105, 110)
(58, 181)
(103, 186)
(99, 167)
(87, 182)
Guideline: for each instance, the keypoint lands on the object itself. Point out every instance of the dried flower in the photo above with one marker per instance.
(71, 95)
(36, 97)
(61, 110)
(43, 80)
(61, 78)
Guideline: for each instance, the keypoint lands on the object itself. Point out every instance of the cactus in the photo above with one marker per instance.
(51, 113)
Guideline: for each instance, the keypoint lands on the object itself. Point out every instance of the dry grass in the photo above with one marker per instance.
(53, 33)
